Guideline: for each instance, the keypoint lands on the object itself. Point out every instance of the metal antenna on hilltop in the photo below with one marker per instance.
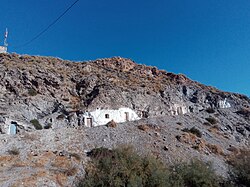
(5, 38)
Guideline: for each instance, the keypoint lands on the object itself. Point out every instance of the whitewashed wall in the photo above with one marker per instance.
(119, 116)
(178, 109)
(3, 49)
(224, 103)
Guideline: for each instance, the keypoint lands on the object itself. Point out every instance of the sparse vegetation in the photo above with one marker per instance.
(143, 127)
(71, 171)
(14, 151)
(195, 174)
(194, 131)
(244, 112)
(76, 156)
(112, 124)
(211, 120)
(32, 92)
(239, 171)
(216, 149)
(36, 124)
(123, 167)
(210, 110)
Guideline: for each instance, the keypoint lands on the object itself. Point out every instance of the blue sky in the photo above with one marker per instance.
(207, 40)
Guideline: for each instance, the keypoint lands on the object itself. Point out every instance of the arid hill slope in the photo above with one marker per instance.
(55, 93)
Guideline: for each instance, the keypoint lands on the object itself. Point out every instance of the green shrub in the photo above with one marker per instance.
(194, 131)
(194, 174)
(36, 124)
(211, 120)
(210, 110)
(123, 167)
(239, 171)
(32, 92)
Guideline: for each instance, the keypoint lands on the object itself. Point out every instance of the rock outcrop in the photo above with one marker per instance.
(55, 91)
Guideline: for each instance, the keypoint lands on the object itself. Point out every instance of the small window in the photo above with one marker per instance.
(107, 116)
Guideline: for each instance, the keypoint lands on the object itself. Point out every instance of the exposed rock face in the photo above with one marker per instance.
(55, 91)
(55, 94)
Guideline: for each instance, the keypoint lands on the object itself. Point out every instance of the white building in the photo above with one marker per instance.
(178, 109)
(3, 49)
(102, 117)
(224, 103)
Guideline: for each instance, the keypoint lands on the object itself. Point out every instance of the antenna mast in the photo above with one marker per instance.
(5, 38)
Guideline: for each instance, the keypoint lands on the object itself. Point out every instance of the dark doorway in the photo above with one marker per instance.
(126, 116)
(89, 122)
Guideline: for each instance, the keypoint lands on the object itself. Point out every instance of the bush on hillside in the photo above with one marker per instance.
(194, 131)
(32, 92)
(210, 110)
(239, 171)
(14, 151)
(211, 120)
(36, 124)
(194, 174)
(123, 167)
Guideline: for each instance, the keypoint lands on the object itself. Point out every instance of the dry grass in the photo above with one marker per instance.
(112, 124)
(71, 171)
(143, 127)
(29, 136)
(76, 156)
(244, 112)
(216, 149)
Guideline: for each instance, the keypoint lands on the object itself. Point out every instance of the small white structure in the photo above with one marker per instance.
(3, 49)
(102, 117)
(178, 109)
(224, 103)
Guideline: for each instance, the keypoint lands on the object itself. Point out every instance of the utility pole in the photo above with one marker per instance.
(5, 38)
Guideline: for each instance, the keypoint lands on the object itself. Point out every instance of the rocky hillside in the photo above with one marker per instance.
(179, 117)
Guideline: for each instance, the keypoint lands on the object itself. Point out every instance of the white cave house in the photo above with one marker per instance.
(224, 104)
(103, 116)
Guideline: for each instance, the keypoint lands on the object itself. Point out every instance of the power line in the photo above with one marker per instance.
(48, 27)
